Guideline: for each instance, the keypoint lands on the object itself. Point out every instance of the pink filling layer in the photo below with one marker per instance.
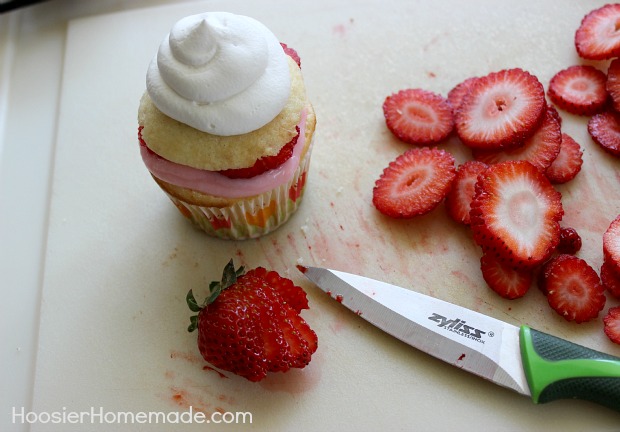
(214, 183)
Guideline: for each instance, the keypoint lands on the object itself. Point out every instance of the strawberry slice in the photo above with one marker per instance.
(579, 89)
(604, 128)
(573, 288)
(459, 91)
(551, 109)
(292, 294)
(610, 279)
(570, 241)
(598, 37)
(265, 163)
(418, 116)
(291, 53)
(613, 83)
(500, 110)
(568, 162)
(611, 245)
(276, 354)
(515, 214)
(458, 200)
(301, 339)
(540, 149)
(506, 281)
(291, 342)
(415, 183)
(612, 324)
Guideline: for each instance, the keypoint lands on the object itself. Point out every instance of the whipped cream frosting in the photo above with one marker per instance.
(220, 73)
(214, 183)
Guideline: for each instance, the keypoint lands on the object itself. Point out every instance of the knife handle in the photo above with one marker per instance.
(559, 369)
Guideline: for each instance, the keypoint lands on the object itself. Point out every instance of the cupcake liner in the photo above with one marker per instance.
(252, 217)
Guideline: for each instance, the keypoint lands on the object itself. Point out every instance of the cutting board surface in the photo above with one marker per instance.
(120, 258)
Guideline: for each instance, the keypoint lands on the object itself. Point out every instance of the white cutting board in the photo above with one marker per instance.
(120, 259)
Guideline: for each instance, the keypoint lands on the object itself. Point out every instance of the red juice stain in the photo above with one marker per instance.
(302, 268)
(358, 312)
(339, 30)
(226, 399)
(339, 298)
(184, 399)
(191, 358)
(179, 397)
(461, 357)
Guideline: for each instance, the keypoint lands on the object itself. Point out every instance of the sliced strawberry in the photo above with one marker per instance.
(458, 92)
(540, 276)
(604, 128)
(573, 288)
(506, 281)
(311, 341)
(265, 163)
(281, 325)
(291, 53)
(515, 214)
(613, 83)
(556, 114)
(568, 162)
(611, 245)
(246, 327)
(301, 339)
(458, 200)
(598, 37)
(500, 110)
(612, 324)
(415, 183)
(610, 279)
(540, 149)
(292, 294)
(579, 89)
(418, 116)
(276, 353)
(570, 241)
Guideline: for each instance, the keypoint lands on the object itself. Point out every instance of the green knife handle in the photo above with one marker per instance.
(558, 369)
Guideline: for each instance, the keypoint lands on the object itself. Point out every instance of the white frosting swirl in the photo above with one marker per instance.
(220, 73)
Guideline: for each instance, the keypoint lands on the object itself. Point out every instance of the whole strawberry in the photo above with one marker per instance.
(250, 324)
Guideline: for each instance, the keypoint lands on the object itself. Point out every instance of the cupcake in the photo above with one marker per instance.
(225, 126)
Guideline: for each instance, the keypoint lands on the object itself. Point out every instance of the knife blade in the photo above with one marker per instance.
(530, 362)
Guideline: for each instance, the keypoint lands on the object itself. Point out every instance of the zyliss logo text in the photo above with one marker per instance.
(458, 326)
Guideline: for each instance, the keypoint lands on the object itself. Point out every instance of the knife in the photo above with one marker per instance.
(525, 360)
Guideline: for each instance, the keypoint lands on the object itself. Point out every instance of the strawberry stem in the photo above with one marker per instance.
(193, 323)
(192, 303)
(229, 278)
